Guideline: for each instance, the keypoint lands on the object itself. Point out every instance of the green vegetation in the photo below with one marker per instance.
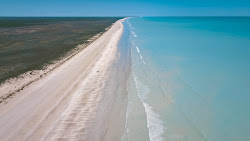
(29, 43)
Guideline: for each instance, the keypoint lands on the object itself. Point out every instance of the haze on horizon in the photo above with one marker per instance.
(125, 8)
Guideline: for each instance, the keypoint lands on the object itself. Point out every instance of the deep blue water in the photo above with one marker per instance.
(190, 78)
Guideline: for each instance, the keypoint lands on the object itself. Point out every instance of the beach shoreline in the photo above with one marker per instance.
(11, 86)
(65, 103)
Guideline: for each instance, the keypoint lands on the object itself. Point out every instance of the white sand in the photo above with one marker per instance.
(63, 105)
(9, 88)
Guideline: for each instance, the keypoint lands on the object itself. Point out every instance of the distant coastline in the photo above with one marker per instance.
(75, 91)
(11, 85)
(30, 43)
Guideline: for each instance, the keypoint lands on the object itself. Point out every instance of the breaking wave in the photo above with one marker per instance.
(155, 125)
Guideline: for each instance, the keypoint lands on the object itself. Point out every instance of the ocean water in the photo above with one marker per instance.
(190, 79)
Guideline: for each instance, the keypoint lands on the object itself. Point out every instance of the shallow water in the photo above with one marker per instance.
(189, 79)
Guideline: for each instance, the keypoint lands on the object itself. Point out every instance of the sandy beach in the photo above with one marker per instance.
(69, 103)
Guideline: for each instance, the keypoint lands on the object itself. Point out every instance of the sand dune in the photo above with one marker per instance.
(63, 105)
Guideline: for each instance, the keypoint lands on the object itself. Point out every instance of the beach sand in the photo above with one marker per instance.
(72, 102)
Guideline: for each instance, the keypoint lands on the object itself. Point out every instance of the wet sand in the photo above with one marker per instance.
(70, 102)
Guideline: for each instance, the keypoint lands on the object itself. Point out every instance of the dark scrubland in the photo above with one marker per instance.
(30, 43)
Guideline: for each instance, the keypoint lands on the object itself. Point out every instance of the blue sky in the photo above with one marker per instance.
(124, 7)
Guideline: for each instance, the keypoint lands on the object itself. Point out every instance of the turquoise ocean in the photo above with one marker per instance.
(190, 79)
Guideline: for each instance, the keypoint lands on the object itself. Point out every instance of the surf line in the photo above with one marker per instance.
(131, 29)
(138, 50)
(154, 123)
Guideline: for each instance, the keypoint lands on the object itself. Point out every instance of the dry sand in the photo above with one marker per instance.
(64, 105)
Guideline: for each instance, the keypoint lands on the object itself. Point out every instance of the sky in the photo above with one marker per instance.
(124, 8)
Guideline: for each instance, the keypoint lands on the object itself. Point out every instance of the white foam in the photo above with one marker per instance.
(154, 123)
(141, 57)
(129, 24)
(131, 28)
(133, 43)
(137, 48)
(133, 33)
(142, 89)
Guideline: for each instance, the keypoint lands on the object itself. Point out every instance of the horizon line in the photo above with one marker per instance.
(114, 16)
